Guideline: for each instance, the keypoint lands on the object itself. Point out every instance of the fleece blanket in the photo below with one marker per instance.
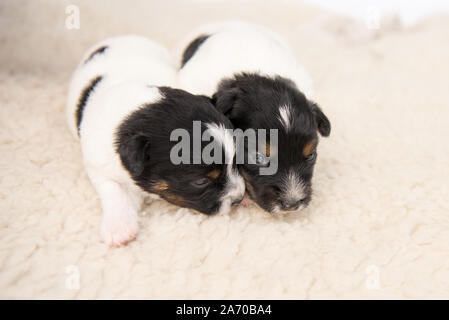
(378, 225)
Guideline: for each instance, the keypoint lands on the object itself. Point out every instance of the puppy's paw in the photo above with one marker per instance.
(118, 230)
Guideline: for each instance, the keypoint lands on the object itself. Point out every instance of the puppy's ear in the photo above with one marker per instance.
(225, 99)
(134, 153)
(324, 125)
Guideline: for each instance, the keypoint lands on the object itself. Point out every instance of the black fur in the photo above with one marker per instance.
(83, 100)
(143, 143)
(192, 48)
(324, 126)
(100, 50)
(253, 101)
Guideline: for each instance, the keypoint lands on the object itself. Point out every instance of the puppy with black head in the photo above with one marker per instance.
(257, 83)
(122, 107)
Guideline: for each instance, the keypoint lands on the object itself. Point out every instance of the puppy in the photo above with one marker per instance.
(257, 83)
(123, 110)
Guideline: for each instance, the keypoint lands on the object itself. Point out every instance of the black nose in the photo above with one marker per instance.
(236, 202)
(291, 204)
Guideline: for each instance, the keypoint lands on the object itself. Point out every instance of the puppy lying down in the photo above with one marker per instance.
(123, 110)
(257, 83)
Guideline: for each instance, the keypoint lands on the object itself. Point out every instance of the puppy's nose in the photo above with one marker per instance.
(291, 204)
(237, 201)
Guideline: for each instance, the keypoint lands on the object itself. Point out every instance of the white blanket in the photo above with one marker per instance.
(378, 225)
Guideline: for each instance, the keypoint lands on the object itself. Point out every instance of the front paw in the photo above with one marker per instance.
(118, 231)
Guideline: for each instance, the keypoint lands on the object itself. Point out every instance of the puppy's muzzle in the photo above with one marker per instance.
(291, 204)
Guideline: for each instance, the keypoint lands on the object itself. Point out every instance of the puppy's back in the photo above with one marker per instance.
(224, 26)
(233, 47)
(112, 62)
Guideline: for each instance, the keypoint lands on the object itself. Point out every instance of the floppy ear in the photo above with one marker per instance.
(134, 153)
(225, 99)
(324, 125)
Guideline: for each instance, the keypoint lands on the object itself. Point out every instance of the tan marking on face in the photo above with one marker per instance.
(214, 174)
(161, 188)
(160, 185)
(308, 148)
(267, 149)
(172, 198)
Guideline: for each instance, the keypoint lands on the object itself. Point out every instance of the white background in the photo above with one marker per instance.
(409, 11)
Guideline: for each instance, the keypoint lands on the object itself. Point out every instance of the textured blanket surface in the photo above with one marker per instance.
(378, 225)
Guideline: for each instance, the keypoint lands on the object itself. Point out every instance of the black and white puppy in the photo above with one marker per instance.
(123, 109)
(257, 83)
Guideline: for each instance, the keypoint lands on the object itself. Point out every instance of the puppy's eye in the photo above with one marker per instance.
(262, 160)
(312, 156)
(200, 183)
(309, 149)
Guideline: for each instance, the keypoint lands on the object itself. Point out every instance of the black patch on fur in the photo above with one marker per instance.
(143, 144)
(324, 125)
(252, 101)
(96, 52)
(192, 48)
(83, 100)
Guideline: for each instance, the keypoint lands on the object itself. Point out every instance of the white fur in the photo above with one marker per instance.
(236, 186)
(127, 58)
(223, 135)
(130, 67)
(285, 115)
(235, 47)
(293, 188)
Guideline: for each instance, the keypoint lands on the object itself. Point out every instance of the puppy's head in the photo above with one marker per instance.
(258, 102)
(160, 145)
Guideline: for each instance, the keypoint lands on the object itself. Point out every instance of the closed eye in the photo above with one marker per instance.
(200, 183)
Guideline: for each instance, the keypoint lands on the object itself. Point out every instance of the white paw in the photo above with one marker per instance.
(119, 230)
